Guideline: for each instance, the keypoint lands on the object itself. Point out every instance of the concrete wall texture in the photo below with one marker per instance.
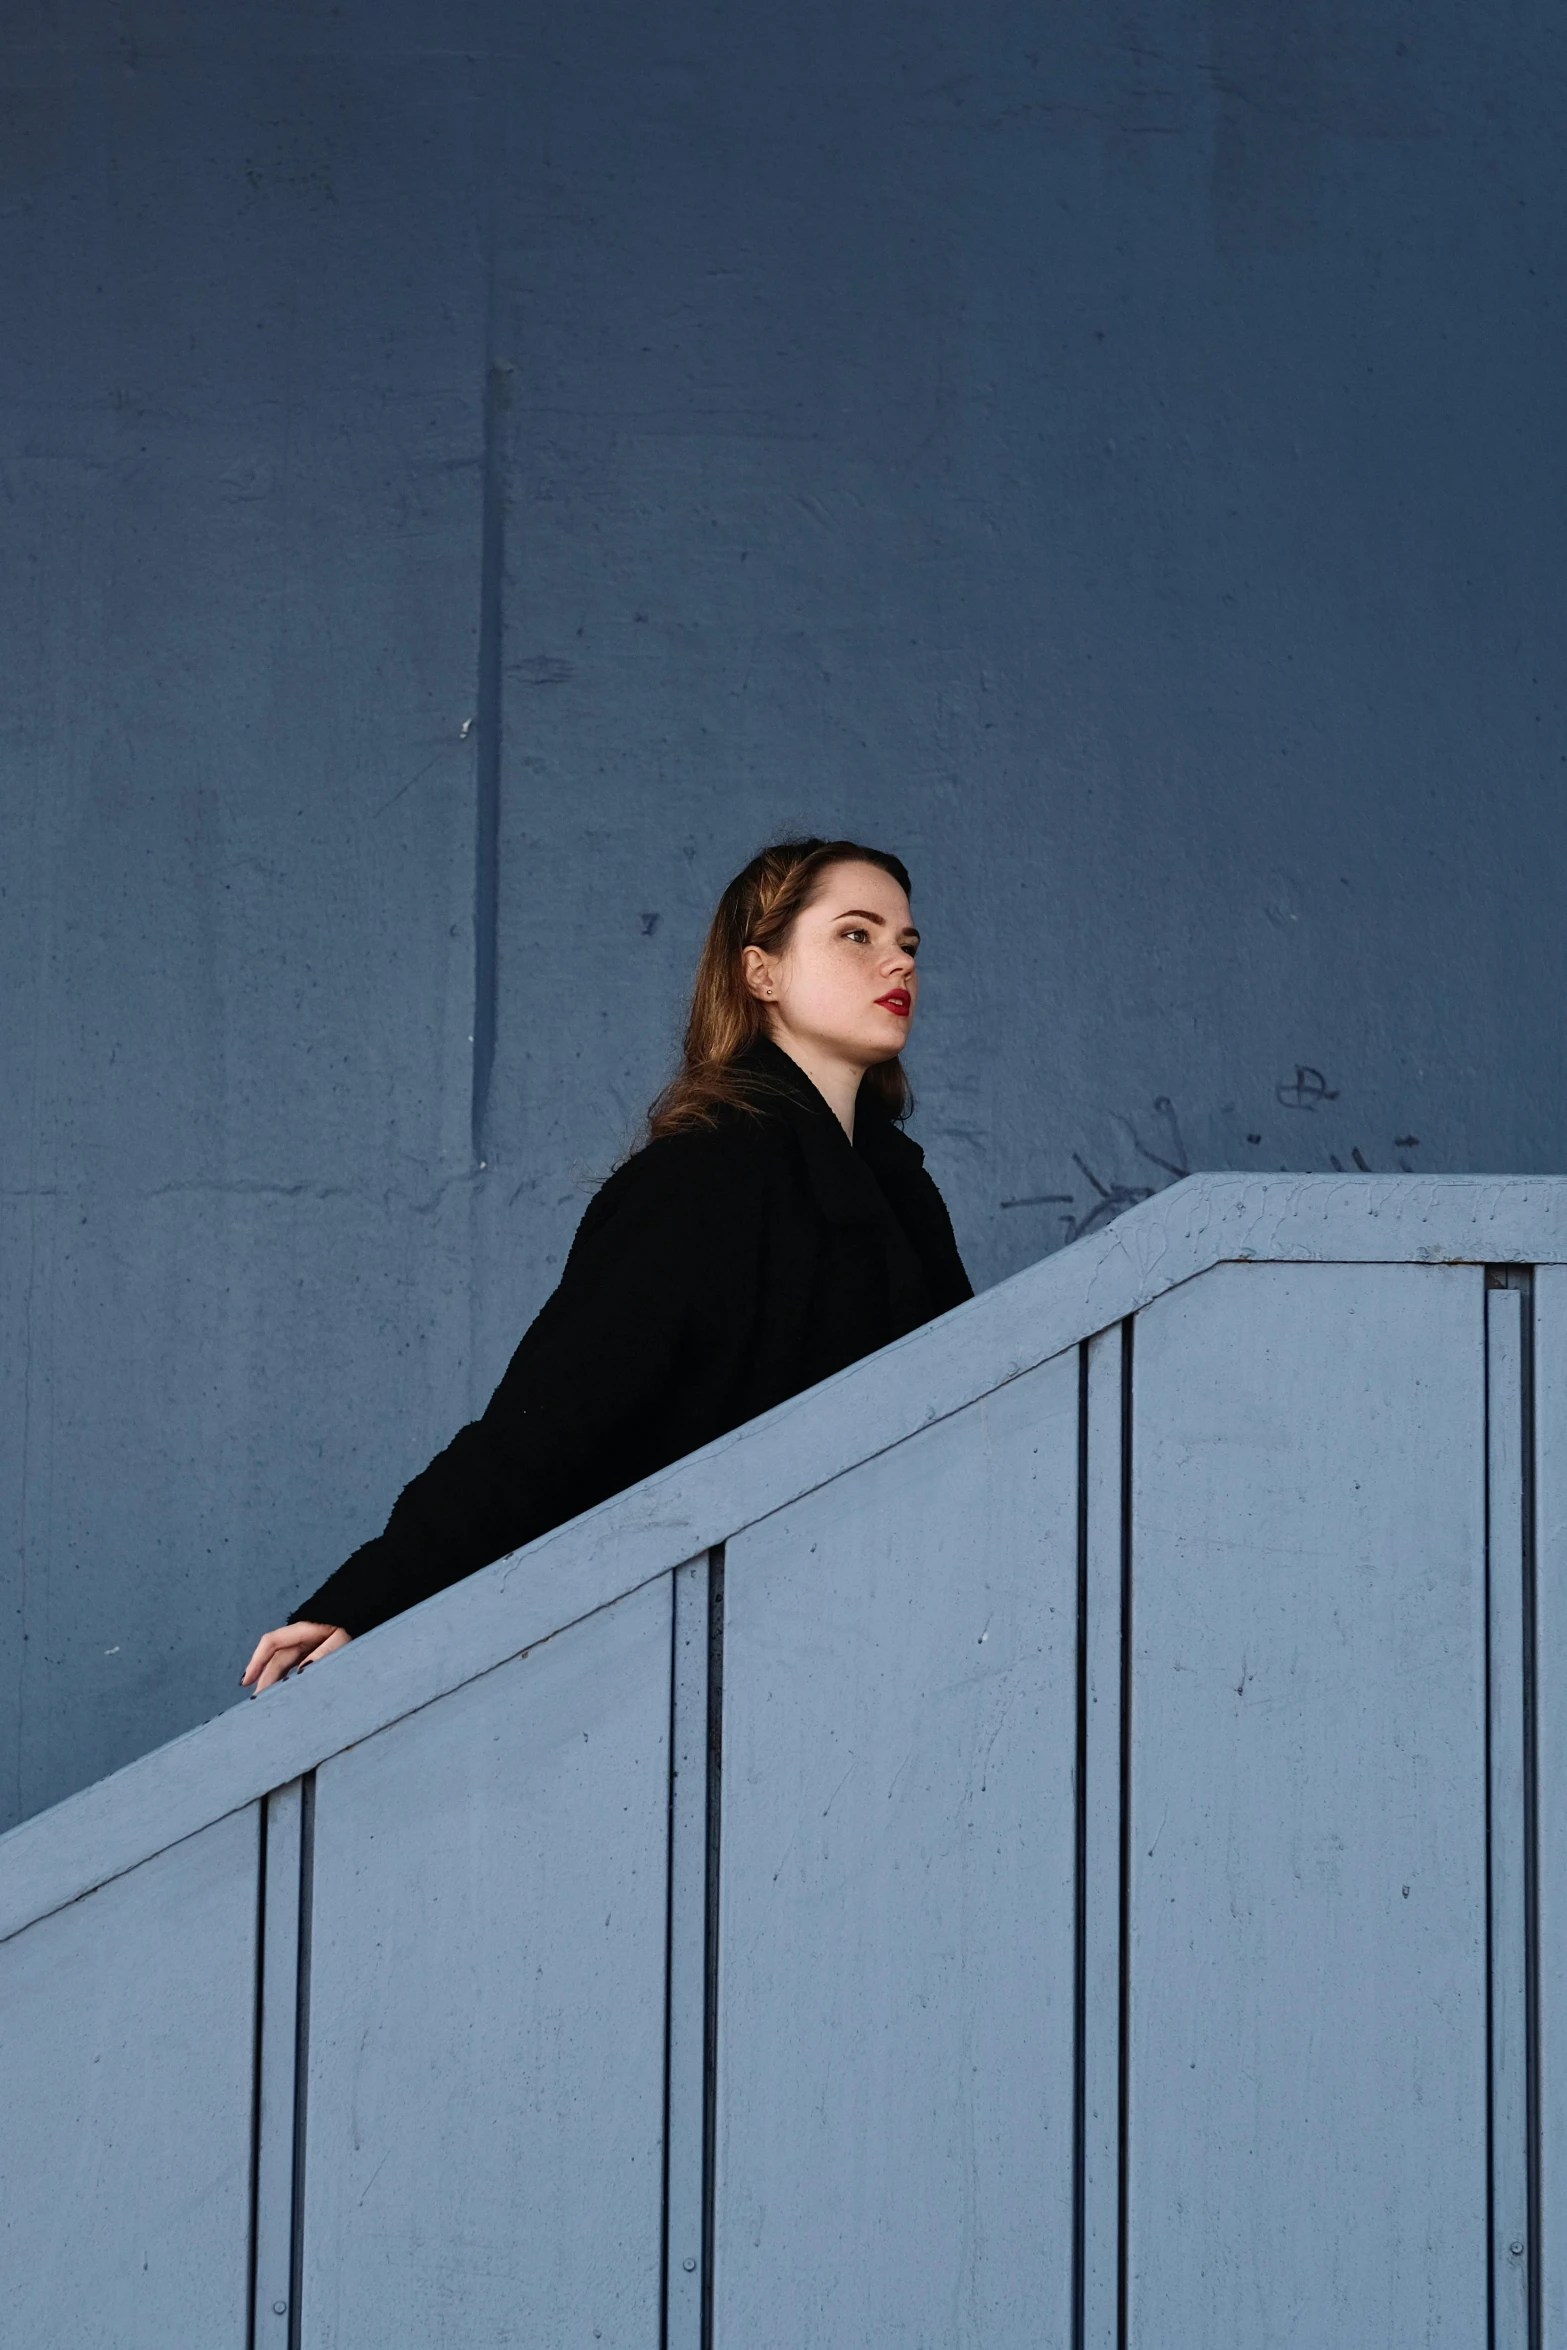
(472, 473)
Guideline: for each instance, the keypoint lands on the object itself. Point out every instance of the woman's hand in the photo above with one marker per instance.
(279, 1652)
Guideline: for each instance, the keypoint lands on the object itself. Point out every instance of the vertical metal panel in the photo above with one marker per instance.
(686, 2101)
(1307, 2144)
(895, 2069)
(484, 2158)
(1511, 2248)
(1550, 1402)
(126, 2060)
(1101, 1802)
(276, 2041)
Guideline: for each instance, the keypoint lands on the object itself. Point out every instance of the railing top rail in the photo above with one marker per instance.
(1206, 1220)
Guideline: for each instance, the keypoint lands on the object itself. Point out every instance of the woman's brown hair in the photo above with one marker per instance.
(758, 909)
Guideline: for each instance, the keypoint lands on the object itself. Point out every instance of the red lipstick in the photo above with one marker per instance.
(899, 1000)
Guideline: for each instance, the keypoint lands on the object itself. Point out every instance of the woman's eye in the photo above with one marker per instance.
(859, 936)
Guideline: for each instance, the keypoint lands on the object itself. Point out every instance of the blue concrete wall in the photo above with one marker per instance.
(471, 473)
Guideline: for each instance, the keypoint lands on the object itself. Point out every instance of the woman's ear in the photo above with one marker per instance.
(757, 970)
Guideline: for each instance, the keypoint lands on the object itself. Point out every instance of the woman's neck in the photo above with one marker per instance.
(838, 1082)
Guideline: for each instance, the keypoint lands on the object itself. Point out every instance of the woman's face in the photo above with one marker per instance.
(844, 985)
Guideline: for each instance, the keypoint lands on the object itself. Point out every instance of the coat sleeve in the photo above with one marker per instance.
(655, 1260)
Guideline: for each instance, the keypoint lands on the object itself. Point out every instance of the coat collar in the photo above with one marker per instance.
(846, 1178)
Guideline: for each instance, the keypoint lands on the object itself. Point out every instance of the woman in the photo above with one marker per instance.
(776, 1225)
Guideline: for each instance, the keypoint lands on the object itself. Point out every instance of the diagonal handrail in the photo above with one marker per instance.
(636, 1536)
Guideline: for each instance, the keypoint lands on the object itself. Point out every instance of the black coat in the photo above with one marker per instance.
(717, 1272)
